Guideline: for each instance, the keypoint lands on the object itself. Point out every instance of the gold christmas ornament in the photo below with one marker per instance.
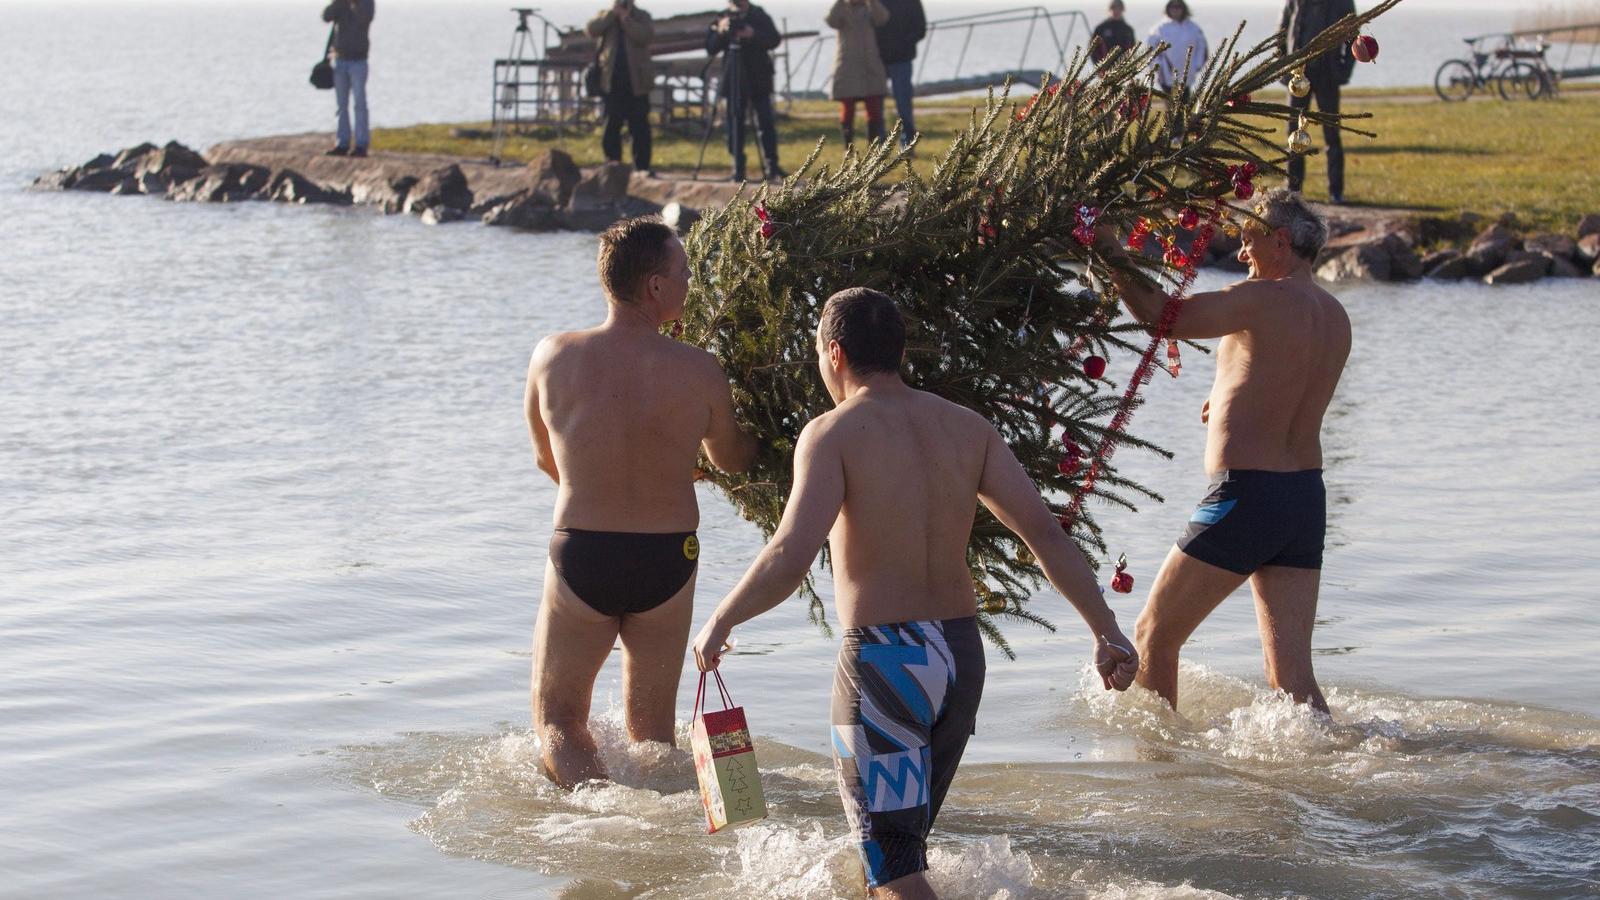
(1025, 557)
(1299, 85)
(1300, 141)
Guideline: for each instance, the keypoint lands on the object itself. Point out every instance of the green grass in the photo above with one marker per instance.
(1534, 160)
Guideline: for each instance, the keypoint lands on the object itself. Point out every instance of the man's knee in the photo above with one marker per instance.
(1154, 636)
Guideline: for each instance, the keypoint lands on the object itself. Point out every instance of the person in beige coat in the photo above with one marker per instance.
(624, 32)
(858, 73)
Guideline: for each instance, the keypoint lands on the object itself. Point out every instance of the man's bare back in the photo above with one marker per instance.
(1276, 377)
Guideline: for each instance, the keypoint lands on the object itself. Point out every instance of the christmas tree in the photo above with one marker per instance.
(991, 258)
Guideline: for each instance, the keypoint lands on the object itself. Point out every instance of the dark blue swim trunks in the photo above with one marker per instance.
(905, 700)
(1253, 518)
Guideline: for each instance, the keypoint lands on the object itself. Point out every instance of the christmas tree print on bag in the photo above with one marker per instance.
(725, 762)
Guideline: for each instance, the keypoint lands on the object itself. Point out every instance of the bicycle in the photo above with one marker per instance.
(1515, 72)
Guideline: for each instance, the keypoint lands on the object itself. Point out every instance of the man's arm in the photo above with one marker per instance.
(727, 446)
(880, 15)
(1207, 315)
(766, 31)
(1008, 493)
(814, 504)
(639, 27)
(916, 22)
(601, 21)
(538, 432)
(716, 41)
(331, 13)
(835, 18)
(367, 9)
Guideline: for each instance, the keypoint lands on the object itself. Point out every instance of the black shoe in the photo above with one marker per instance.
(1336, 199)
(359, 152)
(738, 178)
(339, 150)
(774, 173)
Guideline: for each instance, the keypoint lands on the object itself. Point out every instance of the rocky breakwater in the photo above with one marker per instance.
(1390, 249)
(552, 193)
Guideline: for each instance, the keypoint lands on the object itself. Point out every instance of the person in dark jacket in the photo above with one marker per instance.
(897, 46)
(1302, 21)
(746, 34)
(624, 32)
(351, 21)
(1111, 35)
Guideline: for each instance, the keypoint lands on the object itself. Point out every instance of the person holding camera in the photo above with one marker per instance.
(624, 32)
(1303, 21)
(858, 75)
(746, 36)
(351, 20)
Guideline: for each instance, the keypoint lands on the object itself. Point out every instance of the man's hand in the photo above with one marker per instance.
(709, 644)
(1115, 660)
(746, 33)
(1205, 411)
(723, 24)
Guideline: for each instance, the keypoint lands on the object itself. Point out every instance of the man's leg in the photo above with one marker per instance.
(911, 887)
(1186, 590)
(900, 84)
(767, 131)
(1286, 611)
(1297, 162)
(358, 90)
(639, 130)
(736, 114)
(341, 96)
(1327, 95)
(653, 646)
(611, 137)
(570, 643)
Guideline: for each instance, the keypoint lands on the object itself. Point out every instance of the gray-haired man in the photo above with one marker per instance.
(1284, 345)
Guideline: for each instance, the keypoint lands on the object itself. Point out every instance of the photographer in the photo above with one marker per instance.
(1303, 21)
(351, 21)
(746, 34)
(624, 33)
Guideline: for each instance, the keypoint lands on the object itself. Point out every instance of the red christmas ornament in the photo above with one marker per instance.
(1248, 170)
(1068, 465)
(768, 229)
(1072, 448)
(1122, 582)
(1094, 367)
(1240, 100)
(762, 214)
(1176, 258)
(677, 329)
(1188, 218)
(1243, 189)
(1364, 48)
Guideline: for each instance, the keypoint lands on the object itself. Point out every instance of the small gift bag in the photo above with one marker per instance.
(725, 762)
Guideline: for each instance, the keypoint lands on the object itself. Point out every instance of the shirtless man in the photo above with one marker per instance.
(617, 415)
(1284, 345)
(892, 478)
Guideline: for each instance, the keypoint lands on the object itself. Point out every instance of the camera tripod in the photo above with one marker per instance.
(737, 113)
(508, 83)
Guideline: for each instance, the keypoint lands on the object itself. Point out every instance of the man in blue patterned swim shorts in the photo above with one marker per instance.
(892, 478)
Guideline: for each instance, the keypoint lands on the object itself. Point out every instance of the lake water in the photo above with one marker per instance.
(274, 541)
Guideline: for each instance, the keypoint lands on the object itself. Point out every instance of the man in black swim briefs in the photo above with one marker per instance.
(618, 415)
(1284, 345)
(891, 478)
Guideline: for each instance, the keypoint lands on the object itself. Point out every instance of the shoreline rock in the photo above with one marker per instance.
(552, 193)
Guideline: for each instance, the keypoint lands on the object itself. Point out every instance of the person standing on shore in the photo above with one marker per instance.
(1303, 21)
(352, 22)
(1186, 45)
(1112, 35)
(617, 415)
(746, 36)
(1284, 345)
(897, 47)
(858, 73)
(624, 32)
(891, 479)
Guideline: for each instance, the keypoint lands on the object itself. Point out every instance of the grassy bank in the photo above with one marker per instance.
(1535, 160)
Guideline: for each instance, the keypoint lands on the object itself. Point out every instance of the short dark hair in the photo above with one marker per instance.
(631, 251)
(868, 325)
(1181, 5)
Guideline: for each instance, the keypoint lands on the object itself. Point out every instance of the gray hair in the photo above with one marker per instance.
(1283, 208)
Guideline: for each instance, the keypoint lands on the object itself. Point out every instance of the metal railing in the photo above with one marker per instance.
(1571, 51)
(1058, 33)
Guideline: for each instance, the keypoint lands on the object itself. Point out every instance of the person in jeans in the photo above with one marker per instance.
(897, 46)
(624, 32)
(1111, 35)
(749, 29)
(858, 74)
(1303, 21)
(351, 19)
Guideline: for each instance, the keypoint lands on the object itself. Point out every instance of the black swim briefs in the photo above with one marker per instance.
(1254, 518)
(620, 572)
(905, 700)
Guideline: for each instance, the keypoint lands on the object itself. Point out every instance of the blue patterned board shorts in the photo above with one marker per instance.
(905, 700)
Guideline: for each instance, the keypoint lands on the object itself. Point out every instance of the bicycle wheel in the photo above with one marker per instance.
(1520, 81)
(1455, 81)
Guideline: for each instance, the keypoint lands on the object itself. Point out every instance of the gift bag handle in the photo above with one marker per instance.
(700, 695)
